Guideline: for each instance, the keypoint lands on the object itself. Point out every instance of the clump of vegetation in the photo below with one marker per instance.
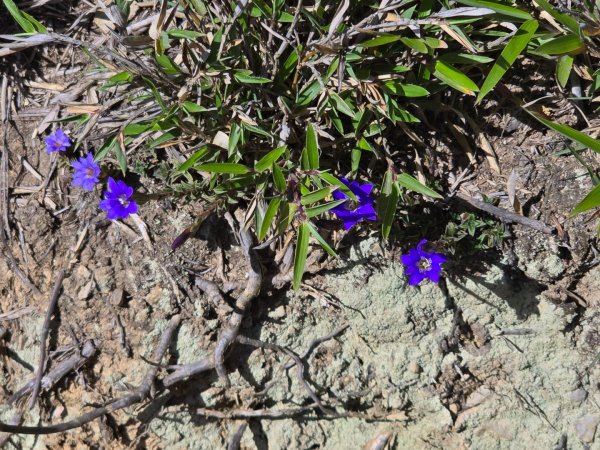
(269, 105)
(305, 116)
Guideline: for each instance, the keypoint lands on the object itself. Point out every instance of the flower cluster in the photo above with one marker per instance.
(421, 264)
(118, 202)
(353, 212)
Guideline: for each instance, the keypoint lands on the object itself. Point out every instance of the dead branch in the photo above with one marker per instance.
(234, 443)
(44, 337)
(506, 216)
(60, 371)
(231, 331)
(140, 394)
(378, 443)
(269, 414)
(211, 290)
(49, 381)
(299, 366)
(12, 262)
(187, 370)
(316, 342)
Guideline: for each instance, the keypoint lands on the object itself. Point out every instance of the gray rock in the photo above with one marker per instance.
(578, 395)
(586, 428)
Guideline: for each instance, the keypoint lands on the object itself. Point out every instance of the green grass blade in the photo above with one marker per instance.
(121, 159)
(246, 77)
(189, 163)
(232, 168)
(513, 49)
(454, 78)
(380, 40)
(267, 161)
(300, 254)
(15, 12)
(328, 178)
(312, 147)
(387, 207)
(564, 65)
(592, 200)
(279, 178)
(570, 44)
(268, 219)
(37, 25)
(500, 8)
(315, 196)
(569, 132)
(320, 209)
(564, 19)
(412, 184)
(340, 105)
(320, 239)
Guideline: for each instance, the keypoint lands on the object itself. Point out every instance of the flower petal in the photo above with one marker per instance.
(366, 188)
(437, 258)
(112, 185)
(416, 278)
(339, 195)
(367, 211)
(349, 223)
(433, 275)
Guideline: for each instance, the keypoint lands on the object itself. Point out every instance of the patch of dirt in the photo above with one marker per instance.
(518, 367)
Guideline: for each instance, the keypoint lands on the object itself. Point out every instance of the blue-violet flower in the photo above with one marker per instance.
(117, 200)
(86, 172)
(420, 264)
(351, 212)
(57, 141)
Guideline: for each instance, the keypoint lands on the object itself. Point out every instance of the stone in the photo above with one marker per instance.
(585, 428)
(578, 395)
(414, 367)
(117, 297)
(277, 313)
(85, 291)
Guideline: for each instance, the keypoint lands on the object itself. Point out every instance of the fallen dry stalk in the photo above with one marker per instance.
(44, 337)
(506, 216)
(231, 331)
(70, 364)
(140, 394)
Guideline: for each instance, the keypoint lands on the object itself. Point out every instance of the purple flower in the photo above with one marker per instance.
(117, 200)
(86, 172)
(351, 212)
(420, 264)
(57, 142)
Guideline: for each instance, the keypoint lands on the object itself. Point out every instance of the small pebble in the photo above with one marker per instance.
(117, 297)
(414, 367)
(277, 313)
(86, 290)
(578, 395)
(586, 428)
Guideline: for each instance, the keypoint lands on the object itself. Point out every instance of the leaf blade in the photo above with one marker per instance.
(509, 55)
(300, 254)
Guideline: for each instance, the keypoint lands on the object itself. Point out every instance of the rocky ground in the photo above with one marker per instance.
(502, 354)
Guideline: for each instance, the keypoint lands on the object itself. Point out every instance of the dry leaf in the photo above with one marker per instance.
(511, 187)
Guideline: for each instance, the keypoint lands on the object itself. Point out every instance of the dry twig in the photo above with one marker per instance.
(231, 331)
(299, 365)
(140, 394)
(506, 216)
(44, 336)
(234, 443)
